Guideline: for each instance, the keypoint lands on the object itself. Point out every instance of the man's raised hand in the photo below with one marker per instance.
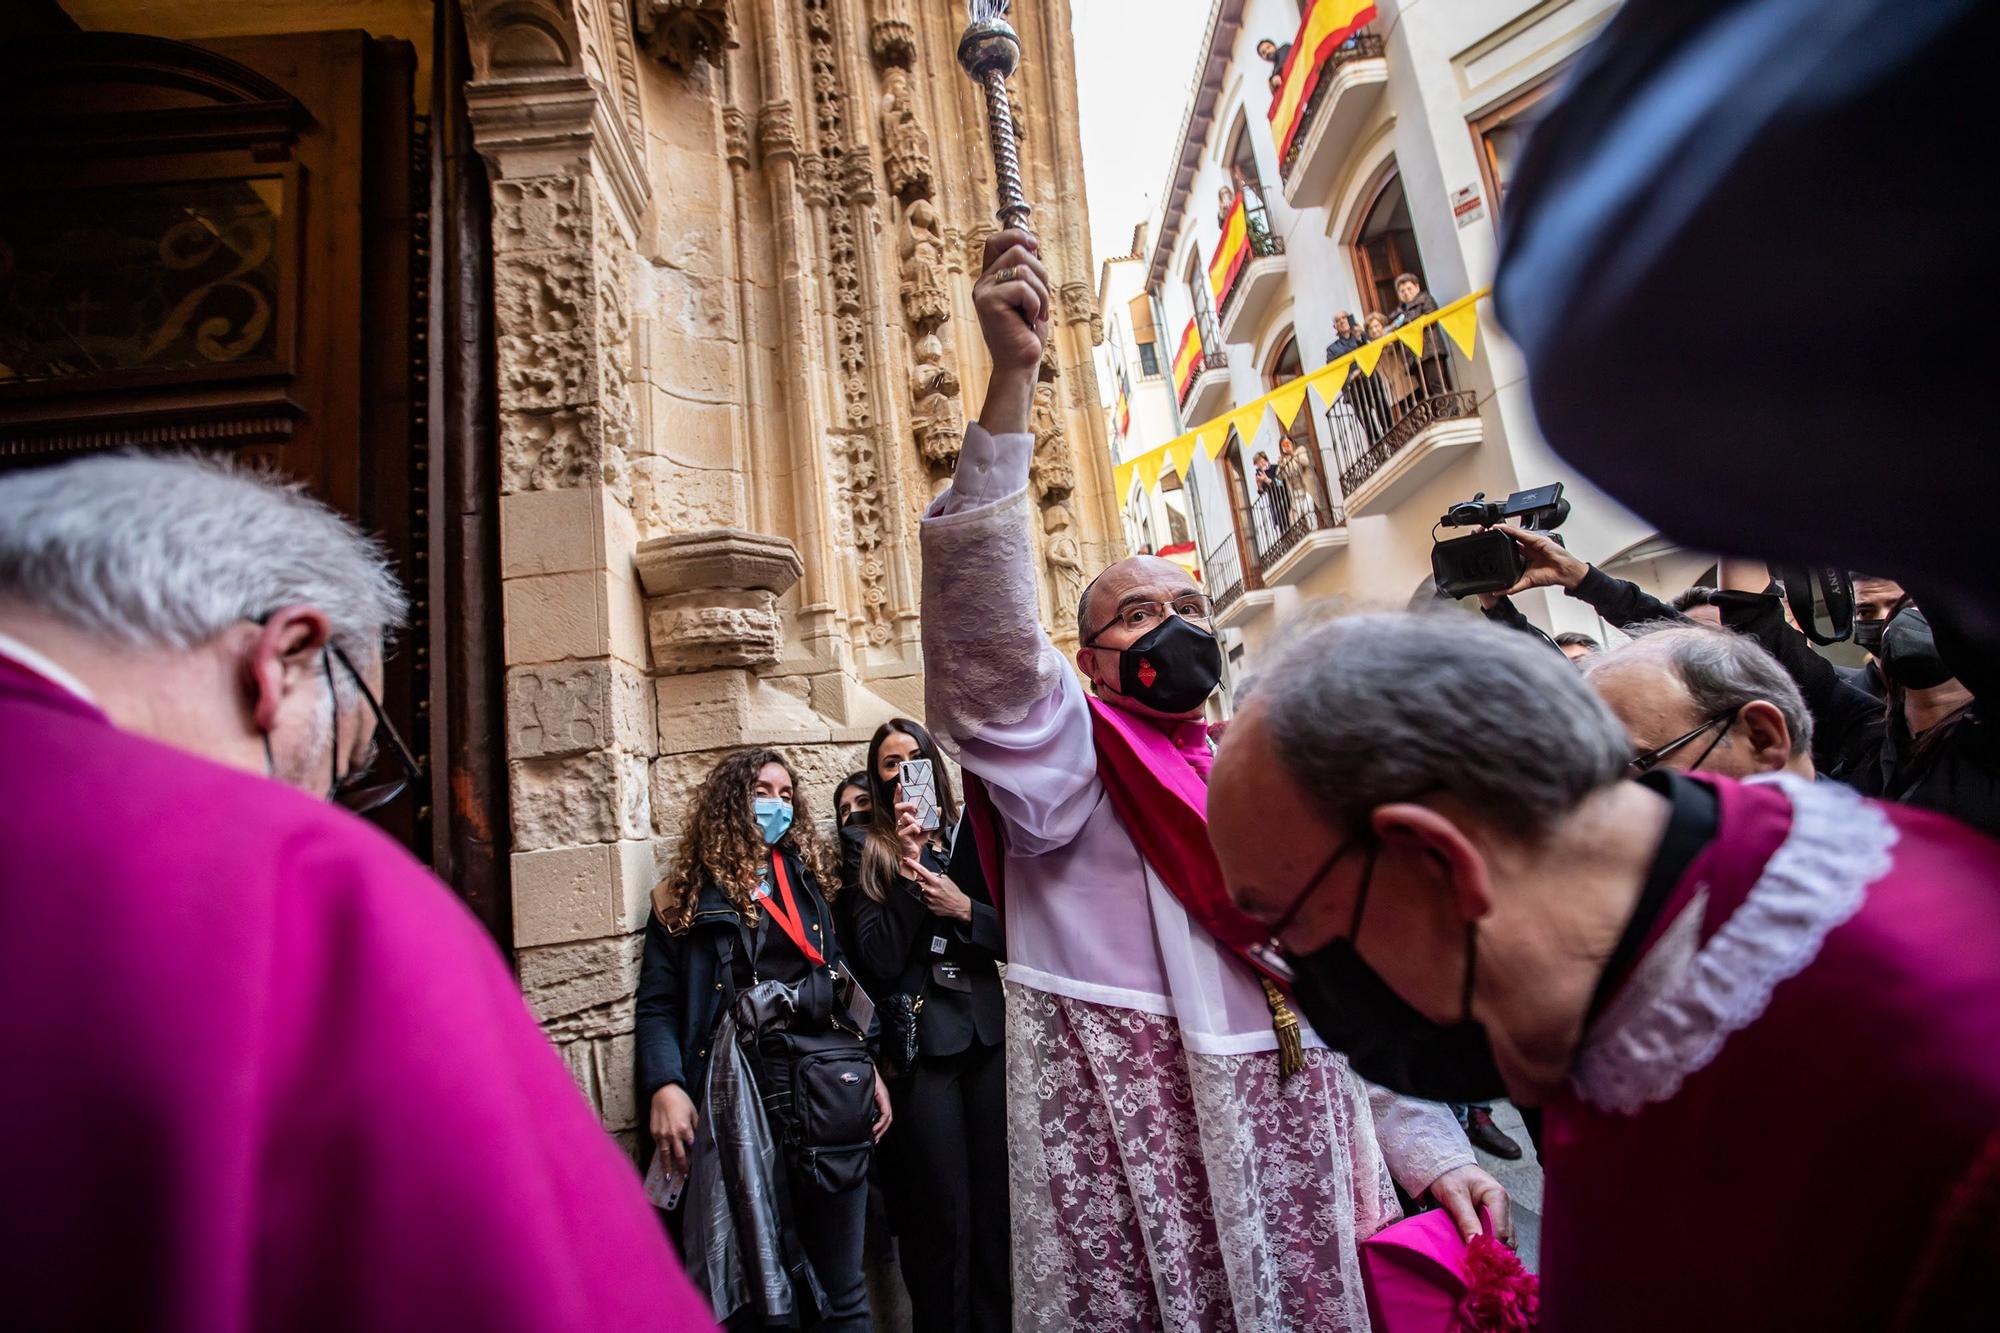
(1015, 306)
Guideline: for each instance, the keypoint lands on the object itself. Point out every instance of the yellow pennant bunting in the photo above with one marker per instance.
(1180, 452)
(1461, 321)
(1331, 378)
(1286, 400)
(1412, 337)
(1121, 480)
(1148, 465)
(1366, 355)
(1249, 420)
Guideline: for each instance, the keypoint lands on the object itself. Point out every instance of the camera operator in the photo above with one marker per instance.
(1846, 721)
(1875, 600)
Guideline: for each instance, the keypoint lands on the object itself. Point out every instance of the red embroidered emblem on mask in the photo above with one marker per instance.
(1146, 673)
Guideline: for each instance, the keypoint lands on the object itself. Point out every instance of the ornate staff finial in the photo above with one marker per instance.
(990, 50)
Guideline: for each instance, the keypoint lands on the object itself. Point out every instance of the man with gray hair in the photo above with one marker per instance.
(264, 1070)
(1693, 698)
(1474, 898)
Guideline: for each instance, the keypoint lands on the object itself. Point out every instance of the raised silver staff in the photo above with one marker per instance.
(990, 50)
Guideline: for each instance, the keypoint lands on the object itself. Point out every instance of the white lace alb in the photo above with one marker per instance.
(1686, 999)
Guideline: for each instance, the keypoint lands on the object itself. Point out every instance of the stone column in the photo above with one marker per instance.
(555, 115)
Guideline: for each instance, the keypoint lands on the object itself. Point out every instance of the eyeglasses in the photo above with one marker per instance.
(1647, 760)
(355, 791)
(1140, 617)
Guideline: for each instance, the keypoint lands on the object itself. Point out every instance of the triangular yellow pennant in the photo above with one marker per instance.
(1331, 378)
(1148, 465)
(1121, 480)
(1180, 452)
(1286, 400)
(1461, 321)
(1412, 337)
(1213, 435)
(1248, 420)
(1366, 355)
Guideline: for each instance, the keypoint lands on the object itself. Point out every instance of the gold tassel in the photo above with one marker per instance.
(1291, 1052)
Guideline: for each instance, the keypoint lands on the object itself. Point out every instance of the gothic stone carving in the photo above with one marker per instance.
(712, 598)
(906, 147)
(1053, 472)
(926, 300)
(1065, 564)
(934, 392)
(685, 33)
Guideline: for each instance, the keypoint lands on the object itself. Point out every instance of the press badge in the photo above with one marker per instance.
(937, 944)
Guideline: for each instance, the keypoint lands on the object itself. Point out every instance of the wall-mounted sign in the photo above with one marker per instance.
(1466, 206)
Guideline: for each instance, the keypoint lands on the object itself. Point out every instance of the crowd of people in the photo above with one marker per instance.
(1137, 1020)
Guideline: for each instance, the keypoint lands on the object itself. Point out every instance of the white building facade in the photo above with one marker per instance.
(1398, 163)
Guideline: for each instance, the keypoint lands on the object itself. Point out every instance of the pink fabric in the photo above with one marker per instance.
(1422, 1277)
(1809, 1175)
(1191, 739)
(263, 1071)
(1161, 797)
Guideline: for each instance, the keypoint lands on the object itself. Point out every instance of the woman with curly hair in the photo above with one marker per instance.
(747, 903)
(927, 948)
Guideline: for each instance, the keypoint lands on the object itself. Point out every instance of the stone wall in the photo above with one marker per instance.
(733, 245)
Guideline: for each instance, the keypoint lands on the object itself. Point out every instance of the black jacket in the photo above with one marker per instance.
(893, 947)
(682, 979)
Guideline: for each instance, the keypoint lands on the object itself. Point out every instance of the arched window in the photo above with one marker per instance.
(1384, 245)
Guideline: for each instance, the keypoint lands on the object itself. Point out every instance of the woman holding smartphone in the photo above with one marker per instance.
(924, 938)
(747, 903)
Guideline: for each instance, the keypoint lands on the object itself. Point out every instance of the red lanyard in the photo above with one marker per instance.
(787, 915)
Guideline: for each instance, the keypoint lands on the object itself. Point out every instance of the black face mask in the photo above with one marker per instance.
(1868, 636)
(1173, 669)
(1909, 654)
(1387, 1040)
(854, 818)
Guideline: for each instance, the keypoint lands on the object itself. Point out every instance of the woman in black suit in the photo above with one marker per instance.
(917, 922)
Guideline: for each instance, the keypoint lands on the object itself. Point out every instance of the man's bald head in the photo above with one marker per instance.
(1140, 574)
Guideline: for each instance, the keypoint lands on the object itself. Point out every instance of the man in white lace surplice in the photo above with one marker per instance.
(1163, 1176)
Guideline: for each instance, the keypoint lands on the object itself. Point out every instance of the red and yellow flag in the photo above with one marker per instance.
(1230, 252)
(1327, 23)
(1186, 359)
(1124, 411)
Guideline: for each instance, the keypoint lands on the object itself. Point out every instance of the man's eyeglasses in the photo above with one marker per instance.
(1648, 760)
(361, 791)
(1141, 617)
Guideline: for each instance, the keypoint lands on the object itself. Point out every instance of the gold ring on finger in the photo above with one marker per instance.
(1006, 274)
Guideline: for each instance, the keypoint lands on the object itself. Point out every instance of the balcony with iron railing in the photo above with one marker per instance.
(1226, 580)
(1294, 527)
(1262, 275)
(1392, 431)
(1351, 80)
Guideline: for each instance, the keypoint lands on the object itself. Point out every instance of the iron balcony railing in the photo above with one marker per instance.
(1376, 415)
(1363, 45)
(1225, 575)
(1286, 510)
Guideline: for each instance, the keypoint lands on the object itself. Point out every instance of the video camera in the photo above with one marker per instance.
(1490, 561)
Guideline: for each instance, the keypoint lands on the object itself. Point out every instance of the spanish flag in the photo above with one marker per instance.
(1124, 411)
(1326, 25)
(1230, 252)
(1186, 360)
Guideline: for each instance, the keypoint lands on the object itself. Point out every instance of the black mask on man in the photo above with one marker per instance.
(1868, 636)
(1909, 654)
(1173, 669)
(1386, 1039)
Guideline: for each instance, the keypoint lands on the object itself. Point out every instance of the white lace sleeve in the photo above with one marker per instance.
(987, 659)
(1420, 1140)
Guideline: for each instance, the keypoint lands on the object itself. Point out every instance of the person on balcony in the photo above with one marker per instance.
(1434, 372)
(1394, 380)
(1272, 497)
(1346, 336)
(1295, 476)
(1183, 1155)
(1277, 53)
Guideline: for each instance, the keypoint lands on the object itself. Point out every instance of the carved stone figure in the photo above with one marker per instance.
(935, 417)
(1065, 563)
(1052, 471)
(906, 147)
(926, 301)
(684, 33)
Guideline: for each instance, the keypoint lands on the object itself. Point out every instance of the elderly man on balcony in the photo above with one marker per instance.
(1182, 1155)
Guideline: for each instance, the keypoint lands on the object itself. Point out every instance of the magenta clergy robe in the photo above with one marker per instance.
(1788, 1115)
(261, 1070)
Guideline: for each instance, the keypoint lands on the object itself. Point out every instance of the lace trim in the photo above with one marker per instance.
(1681, 1014)
(986, 658)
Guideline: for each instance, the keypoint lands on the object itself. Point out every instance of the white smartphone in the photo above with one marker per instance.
(663, 1187)
(920, 787)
